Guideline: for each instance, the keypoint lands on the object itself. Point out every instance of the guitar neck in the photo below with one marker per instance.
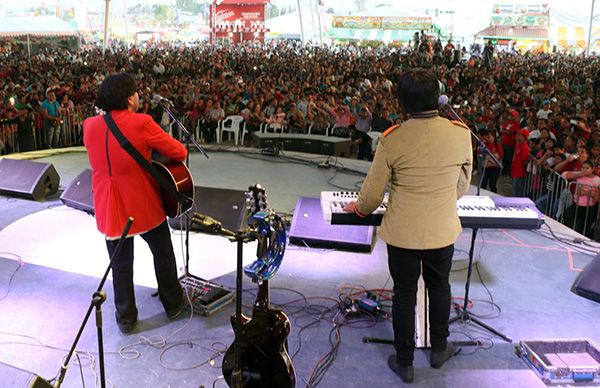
(262, 298)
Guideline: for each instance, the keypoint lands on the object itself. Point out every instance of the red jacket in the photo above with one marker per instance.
(120, 186)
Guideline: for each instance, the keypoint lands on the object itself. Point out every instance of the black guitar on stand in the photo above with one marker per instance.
(261, 341)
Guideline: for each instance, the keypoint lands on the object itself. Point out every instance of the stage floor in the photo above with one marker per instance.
(52, 257)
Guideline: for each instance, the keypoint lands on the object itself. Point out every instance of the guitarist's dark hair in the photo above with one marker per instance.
(114, 92)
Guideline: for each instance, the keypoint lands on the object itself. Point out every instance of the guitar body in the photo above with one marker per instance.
(179, 175)
(265, 361)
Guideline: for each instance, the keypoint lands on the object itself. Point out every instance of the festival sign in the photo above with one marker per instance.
(356, 22)
(239, 18)
(406, 23)
(520, 15)
(520, 21)
(520, 9)
(386, 23)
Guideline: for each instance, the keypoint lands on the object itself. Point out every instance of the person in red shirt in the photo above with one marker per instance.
(492, 171)
(518, 167)
(122, 189)
(509, 132)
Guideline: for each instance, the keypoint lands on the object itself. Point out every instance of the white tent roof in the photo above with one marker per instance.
(389, 10)
(286, 25)
(35, 26)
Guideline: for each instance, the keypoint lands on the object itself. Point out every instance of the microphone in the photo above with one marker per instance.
(443, 100)
(158, 99)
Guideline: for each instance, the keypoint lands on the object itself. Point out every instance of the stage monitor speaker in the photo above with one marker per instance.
(224, 205)
(19, 378)
(27, 179)
(309, 228)
(587, 283)
(78, 194)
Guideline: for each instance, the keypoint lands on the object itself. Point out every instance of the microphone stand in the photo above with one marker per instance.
(188, 139)
(97, 299)
(462, 312)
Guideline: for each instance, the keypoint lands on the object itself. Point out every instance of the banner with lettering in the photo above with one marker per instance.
(385, 22)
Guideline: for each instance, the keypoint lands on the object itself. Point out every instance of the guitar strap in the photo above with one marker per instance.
(145, 164)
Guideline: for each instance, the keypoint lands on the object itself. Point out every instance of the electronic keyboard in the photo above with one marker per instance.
(473, 211)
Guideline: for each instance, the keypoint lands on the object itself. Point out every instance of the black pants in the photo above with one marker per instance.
(165, 268)
(405, 267)
(490, 179)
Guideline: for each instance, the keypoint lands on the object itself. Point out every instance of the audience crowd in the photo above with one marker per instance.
(537, 113)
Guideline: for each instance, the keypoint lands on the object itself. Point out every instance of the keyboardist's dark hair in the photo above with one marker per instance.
(418, 91)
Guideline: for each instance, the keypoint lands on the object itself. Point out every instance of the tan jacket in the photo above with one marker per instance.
(429, 160)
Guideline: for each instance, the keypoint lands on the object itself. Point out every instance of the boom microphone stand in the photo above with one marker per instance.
(166, 104)
(463, 312)
(97, 299)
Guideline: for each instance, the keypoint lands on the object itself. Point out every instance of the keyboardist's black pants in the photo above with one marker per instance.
(405, 268)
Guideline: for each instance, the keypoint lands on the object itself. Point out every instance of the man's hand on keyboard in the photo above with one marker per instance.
(350, 206)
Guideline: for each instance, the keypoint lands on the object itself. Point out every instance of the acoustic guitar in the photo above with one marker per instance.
(179, 176)
(264, 358)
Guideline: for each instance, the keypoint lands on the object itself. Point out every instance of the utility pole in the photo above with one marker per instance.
(301, 26)
(589, 42)
(106, 12)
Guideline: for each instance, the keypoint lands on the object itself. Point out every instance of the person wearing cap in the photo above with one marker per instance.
(518, 167)
(544, 110)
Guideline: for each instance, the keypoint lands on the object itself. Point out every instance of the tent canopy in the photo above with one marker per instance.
(389, 10)
(35, 26)
(502, 32)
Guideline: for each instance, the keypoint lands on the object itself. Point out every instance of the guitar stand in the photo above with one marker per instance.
(239, 237)
(463, 314)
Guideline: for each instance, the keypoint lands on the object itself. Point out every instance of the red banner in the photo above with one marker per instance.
(240, 17)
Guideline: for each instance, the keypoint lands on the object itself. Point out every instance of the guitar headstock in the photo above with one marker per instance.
(256, 199)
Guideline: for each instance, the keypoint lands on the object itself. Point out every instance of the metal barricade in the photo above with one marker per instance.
(8, 139)
(535, 181)
(72, 126)
(549, 192)
(584, 207)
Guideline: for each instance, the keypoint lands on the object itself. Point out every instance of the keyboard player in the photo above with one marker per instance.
(429, 160)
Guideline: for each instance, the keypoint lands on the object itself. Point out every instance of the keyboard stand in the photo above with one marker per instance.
(463, 314)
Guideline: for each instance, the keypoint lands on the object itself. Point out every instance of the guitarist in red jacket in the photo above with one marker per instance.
(122, 189)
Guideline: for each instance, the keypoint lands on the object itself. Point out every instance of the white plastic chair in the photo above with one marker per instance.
(231, 124)
(326, 129)
(275, 127)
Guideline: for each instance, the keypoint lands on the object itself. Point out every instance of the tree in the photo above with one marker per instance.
(162, 12)
(192, 6)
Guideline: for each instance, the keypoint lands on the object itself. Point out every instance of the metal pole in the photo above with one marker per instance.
(301, 26)
(126, 24)
(106, 12)
(319, 9)
(589, 42)
(28, 48)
